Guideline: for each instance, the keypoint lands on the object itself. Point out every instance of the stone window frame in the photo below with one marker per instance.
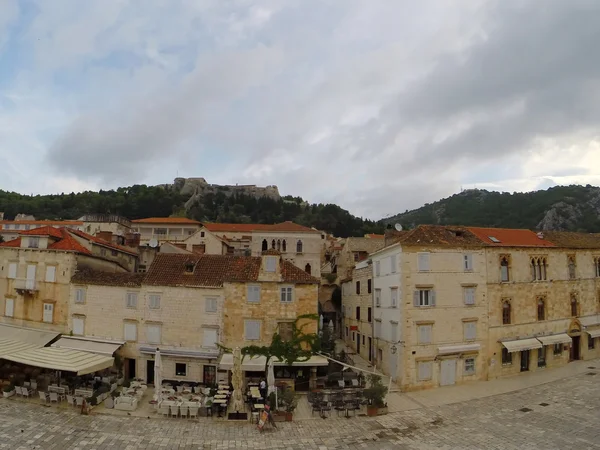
(539, 267)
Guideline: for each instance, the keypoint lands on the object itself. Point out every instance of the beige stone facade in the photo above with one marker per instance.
(357, 311)
(163, 229)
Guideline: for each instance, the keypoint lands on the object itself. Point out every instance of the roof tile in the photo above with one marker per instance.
(125, 279)
(283, 227)
(506, 237)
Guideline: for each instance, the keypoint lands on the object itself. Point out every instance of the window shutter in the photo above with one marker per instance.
(9, 307)
(78, 326)
(470, 330)
(423, 261)
(12, 270)
(393, 263)
(432, 297)
(209, 338)
(130, 332)
(153, 334)
(469, 296)
(50, 274)
(468, 261)
(416, 298)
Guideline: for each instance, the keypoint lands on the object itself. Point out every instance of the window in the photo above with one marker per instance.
(278, 244)
(377, 297)
(286, 294)
(154, 301)
(307, 268)
(393, 263)
(468, 262)
(180, 369)
(209, 337)
(356, 256)
(34, 242)
(210, 375)
(358, 313)
(130, 331)
(424, 297)
(558, 348)
(252, 330)
(574, 306)
(50, 274)
(78, 326)
(506, 312)
(273, 244)
(394, 327)
(189, 267)
(571, 266)
(469, 295)
(142, 268)
(286, 331)
(541, 362)
(470, 331)
(299, 246)
(424, 370)
(424, 334)
(394, 297)
(358, 287)
(284, 246)
(369, 316)
(369, 286)
(506, 356)
(48, 313)
(538, 268)
(210, 304)
(469, 366)
(377, 268)
(12, 270)
(131, 300)
(591, 342)
(271, 264)
(113, 252)
(202, 234)
(378, 329)
(423, 262)
(347, 332)
(265, 246)
(153, 334)
(253, 295)
(9, 307)
(504, 269)
(380, 356)
(541, 309)
(79, 295)
(597, 266)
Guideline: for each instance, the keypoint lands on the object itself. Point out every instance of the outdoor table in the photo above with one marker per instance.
(259, 406)
(223, 391)
(220, 396)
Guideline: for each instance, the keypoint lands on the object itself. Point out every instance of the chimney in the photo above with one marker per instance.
(540, 235)
(132, 240)
(105, 235)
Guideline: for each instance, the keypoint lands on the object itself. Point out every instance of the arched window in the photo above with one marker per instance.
(574, 306)
(541, 309)
(571, 263)
(544, 267)
(533, 269)
(278, 244)
(265, 245)
(506, 313)
(597, 266)
(273, 244)
(283, 246)
(307, 268)
(504, 269)
(299, 246)
(538, 268)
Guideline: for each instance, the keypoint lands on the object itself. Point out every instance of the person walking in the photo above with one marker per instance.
(263, 389)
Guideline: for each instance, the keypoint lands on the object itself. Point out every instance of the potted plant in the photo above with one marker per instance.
(375, 394)
(278, 416)
(9, 390)
(289, 401)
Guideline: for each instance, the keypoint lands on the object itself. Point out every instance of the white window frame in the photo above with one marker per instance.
(131, 300)
(424, 370)
(470, 330)
(132, 327)
(205, 341)
(253, 293)
(271, 264)
(422, 300)
(13, 267)
(468, 370)
(79, 295)
(50, 274)
(394, 297)
(424, 334)
(211, 304)
(468, 262)
(44, 312)
(256, 335)
(81, 321)
(377, 298)
(155, 329)
(10, 301)
(33, 242)
(377, 268)
(286, 294)
(186, 369)
(423, 261)
(393, 264)
(469, 295)
(154, 301)
(393, 331)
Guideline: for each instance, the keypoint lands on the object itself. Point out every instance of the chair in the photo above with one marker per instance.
(78, 401)
(315, 406)
(18, 390)
(339, 405)
(70, 400)
(180, 389)
(174, 410)
(163, 409)
(53, 397)
(25, 392)
(43, 396)
(325, 407)
(341, 384)
(26, 383)
(355, 382)
(183, 411)
(255, 416)
(34, 385)
(193, 412)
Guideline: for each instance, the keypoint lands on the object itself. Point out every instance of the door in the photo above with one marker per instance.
(130, 368)
(30, 284)
(448, 372)
(358, 343)
(575, 346)
(150, 372)
(302, 379)
(48, 312)
(9, 307)
(524, 360)
(370, 349)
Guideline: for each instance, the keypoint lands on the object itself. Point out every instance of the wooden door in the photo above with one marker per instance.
(448, 372)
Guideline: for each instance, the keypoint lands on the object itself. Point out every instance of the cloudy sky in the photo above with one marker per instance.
(378, 106)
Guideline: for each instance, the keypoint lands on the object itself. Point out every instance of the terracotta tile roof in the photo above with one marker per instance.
(12, 243)
(566, 239)
(213, 270)
(99, 241)
(506, 237)
(124, 279)
(43, 231)
(63, 223)
(68, 243)
(283, 227)
(272, 251)
(168, 220)
(362, 244)
(438, 235)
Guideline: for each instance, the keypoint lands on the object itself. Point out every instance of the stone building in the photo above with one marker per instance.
(162, 229)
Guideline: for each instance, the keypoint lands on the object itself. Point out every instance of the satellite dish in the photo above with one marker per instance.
(153, 243)
(398, 227)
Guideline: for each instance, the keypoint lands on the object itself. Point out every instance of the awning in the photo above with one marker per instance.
(258, 363)
(562, 338)
(521, 344)
(463, 348)
(62, 359)
(8, 346)
(590, 321)
(182, 353)
(88, 345)
(594, 332)
(29, 335)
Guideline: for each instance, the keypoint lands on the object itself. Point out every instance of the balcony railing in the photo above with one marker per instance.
(25, 285)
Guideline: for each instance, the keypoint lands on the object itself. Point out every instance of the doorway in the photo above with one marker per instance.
(575, 348)
(448, 372)
(358, 344)
(524, 360)
(130, 368)
(150, 372)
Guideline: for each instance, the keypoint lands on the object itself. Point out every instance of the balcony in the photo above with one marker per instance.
(24, 286)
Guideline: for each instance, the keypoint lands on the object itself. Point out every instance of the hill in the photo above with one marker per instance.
(566, 208)
(235, 204)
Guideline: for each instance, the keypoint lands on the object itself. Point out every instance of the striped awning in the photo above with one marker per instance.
(258, 363)
(462, 348)
(520, 345)
(62, 359)
(562, 338)
(593, 332)
(28, 335)
(8, 347)
(88, 345)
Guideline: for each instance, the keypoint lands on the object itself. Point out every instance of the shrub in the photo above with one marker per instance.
(376, 391)
(8, 388)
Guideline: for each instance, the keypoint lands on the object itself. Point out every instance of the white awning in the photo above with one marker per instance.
(562, 338)
(8, 347)
(590, 321)
(62, 359)
(258, 363)
(521, 344)
(29, 335)
(88, 345)
(463, 348)
(594, 332)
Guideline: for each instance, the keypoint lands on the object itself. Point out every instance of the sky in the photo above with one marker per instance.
(379, 106)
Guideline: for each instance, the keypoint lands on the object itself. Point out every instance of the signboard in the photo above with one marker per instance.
(353, 327)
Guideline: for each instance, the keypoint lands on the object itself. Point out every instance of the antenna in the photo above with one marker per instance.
(153, 243)
(398, 227)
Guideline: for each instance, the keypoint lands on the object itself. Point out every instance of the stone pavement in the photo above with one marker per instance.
(560, 414)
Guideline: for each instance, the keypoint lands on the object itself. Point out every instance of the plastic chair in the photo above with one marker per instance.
(174, 410)
(71, 400)
(25, 392)
(163, 409)
(43, 396)
(183, 411)
(193, 410)
(53, 397)
(78, 401)
(180, 389)
(18, 390)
